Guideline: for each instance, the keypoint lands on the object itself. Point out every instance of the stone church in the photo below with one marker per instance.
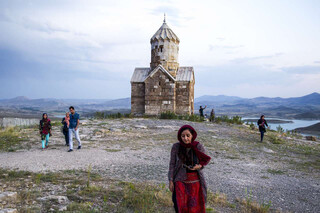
(164, 86)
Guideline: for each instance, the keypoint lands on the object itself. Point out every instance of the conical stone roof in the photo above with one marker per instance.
(165, 32)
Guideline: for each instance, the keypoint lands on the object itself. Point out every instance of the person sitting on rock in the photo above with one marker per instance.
(45, 130)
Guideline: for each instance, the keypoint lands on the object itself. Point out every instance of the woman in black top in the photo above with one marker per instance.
(262, 123)
(65, 121)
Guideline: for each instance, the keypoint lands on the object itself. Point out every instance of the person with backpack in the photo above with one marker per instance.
(45, 130)
(262, 123)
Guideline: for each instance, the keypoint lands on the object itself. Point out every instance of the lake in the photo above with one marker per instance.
(287, 126)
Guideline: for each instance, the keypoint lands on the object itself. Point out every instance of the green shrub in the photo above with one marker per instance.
(168, 115)
(10, 138)
(106, 115)
(233, 120)
(280, 129)
(275, 139)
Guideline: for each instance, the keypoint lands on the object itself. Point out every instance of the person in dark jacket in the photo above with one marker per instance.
(66, 122)
(262, 123)
(45, 130)
(201, 111)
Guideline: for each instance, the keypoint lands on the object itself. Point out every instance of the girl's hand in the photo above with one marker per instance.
(171, 186)
(196, 167)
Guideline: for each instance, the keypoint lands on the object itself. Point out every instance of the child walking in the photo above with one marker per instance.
(45, 130)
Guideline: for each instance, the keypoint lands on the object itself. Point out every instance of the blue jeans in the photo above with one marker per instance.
(46, 141)
(76, 134)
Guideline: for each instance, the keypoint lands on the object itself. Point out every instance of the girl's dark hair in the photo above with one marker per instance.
(44, 114)
(261, 116)
(182, 152)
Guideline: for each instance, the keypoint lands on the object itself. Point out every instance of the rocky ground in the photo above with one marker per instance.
(281, 174)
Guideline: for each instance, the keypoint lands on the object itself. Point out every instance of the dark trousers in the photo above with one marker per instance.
(66, 135)
(174, 200)
(262, 134)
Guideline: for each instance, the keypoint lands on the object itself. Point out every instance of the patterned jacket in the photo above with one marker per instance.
(178, 173)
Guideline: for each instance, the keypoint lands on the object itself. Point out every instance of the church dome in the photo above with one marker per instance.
(164, 33)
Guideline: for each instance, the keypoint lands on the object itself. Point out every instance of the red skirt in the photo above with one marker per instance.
(188, 195)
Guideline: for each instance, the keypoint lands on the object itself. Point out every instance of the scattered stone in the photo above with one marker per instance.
(267, 150)
(311, 138)
(140, 127)
(63, 208)
(8, 211)
(57, 199)
(8, 196)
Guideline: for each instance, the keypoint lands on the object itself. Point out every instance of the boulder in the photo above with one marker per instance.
(311, 138)
(8, 196)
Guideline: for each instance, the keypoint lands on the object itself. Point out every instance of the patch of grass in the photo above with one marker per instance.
(172, 115)
(250, 206)
(10, 139)
(56, 123)
(218, 199)
(264, 177)
(143, 197)
(81, 207)
(168, 115)
(108, 115)
(275, 139)
(112, 150)
(275, 171)
(12, 174)
(28, 196)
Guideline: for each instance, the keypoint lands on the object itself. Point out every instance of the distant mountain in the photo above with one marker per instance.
(218, 98)
(313, 129)
(305, 107)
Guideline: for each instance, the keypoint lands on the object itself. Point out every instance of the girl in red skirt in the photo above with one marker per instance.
(186, 179)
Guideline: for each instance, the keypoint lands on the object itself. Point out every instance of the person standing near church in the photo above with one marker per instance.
(201, 111)
(74, 128)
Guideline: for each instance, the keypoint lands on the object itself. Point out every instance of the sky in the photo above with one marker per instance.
(89, 49)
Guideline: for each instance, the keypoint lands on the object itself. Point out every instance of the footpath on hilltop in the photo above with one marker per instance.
(123, 167)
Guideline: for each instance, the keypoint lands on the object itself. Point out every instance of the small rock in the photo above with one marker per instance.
(267, 150)
(140, 127)
(57, 199)
(63, 208)
(8, 211)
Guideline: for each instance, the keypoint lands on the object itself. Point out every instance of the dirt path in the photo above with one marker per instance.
(138, 149)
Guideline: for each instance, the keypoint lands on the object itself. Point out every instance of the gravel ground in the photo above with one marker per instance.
(139, 149)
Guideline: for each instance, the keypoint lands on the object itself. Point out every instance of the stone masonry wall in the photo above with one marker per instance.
(137, 98)
(183, 98)
(159, 94)
(165, 53)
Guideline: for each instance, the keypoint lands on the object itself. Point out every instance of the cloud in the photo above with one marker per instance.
(213, 47)
(302, 69)
(248, 59)
(316, 62)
